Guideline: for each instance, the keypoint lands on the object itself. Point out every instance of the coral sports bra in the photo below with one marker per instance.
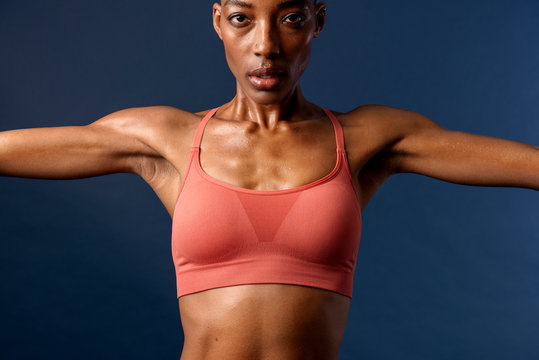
(224, 235)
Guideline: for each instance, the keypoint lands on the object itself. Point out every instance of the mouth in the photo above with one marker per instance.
(266, 78)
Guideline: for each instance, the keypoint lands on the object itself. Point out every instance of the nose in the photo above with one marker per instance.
(266, 40)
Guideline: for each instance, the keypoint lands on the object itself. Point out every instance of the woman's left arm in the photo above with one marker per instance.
(423, 147)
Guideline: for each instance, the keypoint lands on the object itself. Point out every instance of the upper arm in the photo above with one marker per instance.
(132, 136)
(423, 147)
(115, 143)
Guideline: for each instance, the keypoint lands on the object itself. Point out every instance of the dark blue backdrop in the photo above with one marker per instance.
(445, 271)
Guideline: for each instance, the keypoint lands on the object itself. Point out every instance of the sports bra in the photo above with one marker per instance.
(224, 235)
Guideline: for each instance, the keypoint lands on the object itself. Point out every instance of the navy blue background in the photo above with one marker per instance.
(445, 271)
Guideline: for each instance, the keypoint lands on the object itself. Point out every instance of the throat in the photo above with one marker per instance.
(292, 108)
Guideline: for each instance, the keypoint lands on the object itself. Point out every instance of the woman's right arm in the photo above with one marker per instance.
(110, 145)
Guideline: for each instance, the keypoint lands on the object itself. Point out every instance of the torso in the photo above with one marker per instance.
(261, 321)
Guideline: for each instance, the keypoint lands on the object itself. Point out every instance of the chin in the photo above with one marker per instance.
(269, 97)
(266, 97)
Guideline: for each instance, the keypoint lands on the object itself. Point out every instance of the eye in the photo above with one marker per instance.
(294, 19)
(238, 19)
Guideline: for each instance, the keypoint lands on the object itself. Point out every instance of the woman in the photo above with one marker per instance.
(269, 140)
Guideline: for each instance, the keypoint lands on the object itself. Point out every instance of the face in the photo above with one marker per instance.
(268, 43)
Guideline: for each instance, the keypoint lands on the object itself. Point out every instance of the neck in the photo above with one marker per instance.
(293, 107)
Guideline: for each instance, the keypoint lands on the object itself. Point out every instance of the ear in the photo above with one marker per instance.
(320, 18)
(217, 19)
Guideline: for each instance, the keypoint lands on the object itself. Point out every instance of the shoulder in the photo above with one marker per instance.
(383, 116)
(154, 117)
(152, 123)
(388, 123)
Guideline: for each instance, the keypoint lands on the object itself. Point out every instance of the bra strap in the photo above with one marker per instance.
(339, 137)
(202, 126)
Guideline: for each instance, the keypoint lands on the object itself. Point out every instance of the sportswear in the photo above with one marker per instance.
(224, 235)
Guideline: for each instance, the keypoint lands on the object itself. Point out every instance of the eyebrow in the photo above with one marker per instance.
(284, 5)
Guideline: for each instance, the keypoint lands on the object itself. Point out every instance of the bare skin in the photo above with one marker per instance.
(266, 140)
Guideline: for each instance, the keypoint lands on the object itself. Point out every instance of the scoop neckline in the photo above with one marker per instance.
(309, 185)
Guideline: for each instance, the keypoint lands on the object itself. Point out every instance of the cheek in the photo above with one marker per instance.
(229, 50)
(234, 52)
(301, 54)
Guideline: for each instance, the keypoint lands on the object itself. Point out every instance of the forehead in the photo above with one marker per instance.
(279, 3)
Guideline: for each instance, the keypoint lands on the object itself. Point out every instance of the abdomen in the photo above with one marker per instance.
(263, 321)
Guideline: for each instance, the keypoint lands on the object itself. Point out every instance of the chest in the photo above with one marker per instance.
(252, 158)
(278, 233)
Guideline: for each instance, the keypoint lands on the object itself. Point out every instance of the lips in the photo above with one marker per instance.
(266, 78)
